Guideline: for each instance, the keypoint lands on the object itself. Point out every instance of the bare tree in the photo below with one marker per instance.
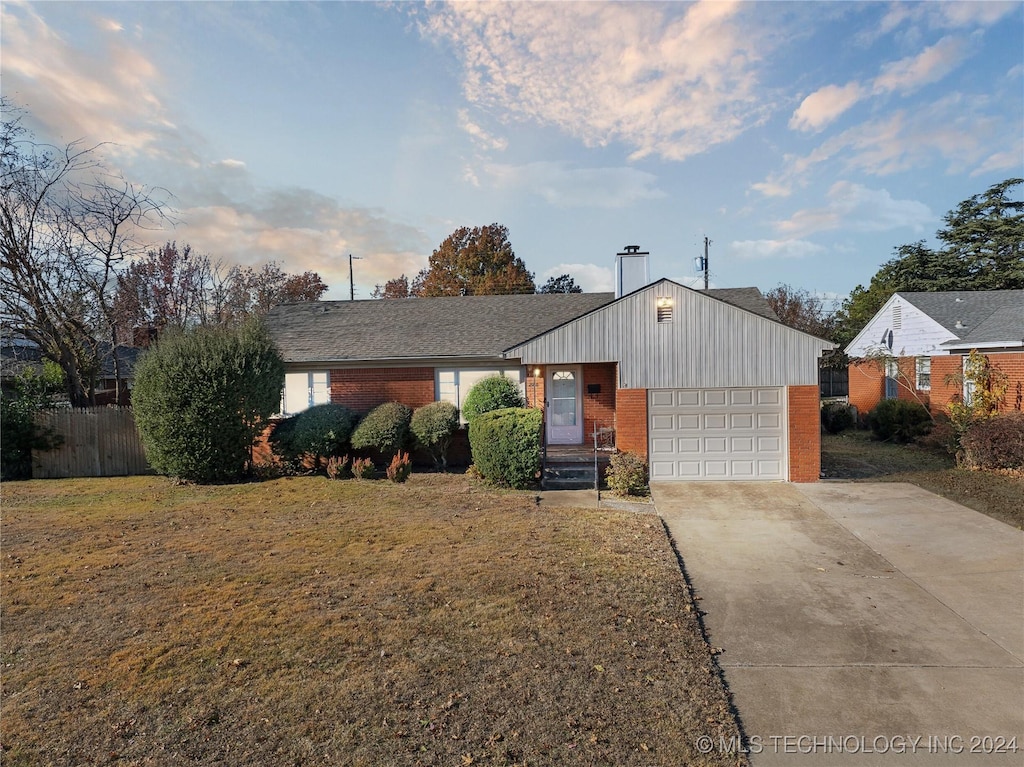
(66, 225)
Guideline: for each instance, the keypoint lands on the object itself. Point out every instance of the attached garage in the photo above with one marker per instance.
(717, 434)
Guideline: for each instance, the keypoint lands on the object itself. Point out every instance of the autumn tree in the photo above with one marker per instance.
(801, 309)
(174, 287)
(67, 224)
(475, 262)
(564, 283)
(983, 249)
(395, 288)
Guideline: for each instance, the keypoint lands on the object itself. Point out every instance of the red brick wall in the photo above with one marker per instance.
(867, 386)
(362, 389)
(907, 380)
(631, 421)
(598, 409)
(1011, 364)
(804, 433)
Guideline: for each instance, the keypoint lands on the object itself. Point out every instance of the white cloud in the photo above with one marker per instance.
(480, 135)
(774, 249)
(591, 277)
(663, 81)
(855, 207)
(825, 105)
(929, 66)
(566, 187)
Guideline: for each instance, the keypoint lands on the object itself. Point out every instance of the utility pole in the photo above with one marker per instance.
(702, 262)
(351, 282)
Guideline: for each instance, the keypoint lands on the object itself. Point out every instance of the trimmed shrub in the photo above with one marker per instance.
(627, 475)
(385, 429)
(363, 468)
(492, 393)
(506, 446)
(338, 467)
(434, 426)
(899, 420)
(320, 432)
(996, 442)
(203, 396)
(836, 417)
(400, 468)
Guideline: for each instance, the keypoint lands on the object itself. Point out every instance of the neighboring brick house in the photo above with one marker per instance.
(915, 346)
(706, 385)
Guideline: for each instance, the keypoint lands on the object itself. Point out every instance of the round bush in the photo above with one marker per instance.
(202, 397)
(996, 442)
(320, 432)
(385, 429)
(434, 426)
(899, 420)
(836, 417)
(627, 475)
(506, 446)
(491, 393)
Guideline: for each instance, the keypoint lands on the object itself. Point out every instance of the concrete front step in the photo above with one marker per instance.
(568, 476)
(554, 483)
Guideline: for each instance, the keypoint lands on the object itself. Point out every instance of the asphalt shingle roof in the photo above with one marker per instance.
(423, 328)
(983, 316)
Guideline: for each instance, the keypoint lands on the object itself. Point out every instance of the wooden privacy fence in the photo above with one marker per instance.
(98, 442)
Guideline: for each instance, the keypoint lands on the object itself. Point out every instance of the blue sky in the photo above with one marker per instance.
(807, 140)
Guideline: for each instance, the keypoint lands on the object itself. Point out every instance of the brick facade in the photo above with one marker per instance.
(631, 421)
(804, 417)
(867, 383)
(362, 389)
(1010, 364)
(599, 408)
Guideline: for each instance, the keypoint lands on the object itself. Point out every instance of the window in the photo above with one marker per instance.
(303, 390)
(453, 384)
(924, 373)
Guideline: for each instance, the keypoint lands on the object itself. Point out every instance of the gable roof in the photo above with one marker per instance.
(438, 328)
(707, 342)
(983, 318)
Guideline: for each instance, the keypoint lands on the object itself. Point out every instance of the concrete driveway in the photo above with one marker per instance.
(861, 624)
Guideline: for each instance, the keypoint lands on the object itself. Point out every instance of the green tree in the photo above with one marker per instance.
(201, 398)
(563, 283)
(983, 250)
(31, 391)
(474, 262)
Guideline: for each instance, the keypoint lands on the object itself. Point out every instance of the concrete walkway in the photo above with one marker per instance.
(861, 624)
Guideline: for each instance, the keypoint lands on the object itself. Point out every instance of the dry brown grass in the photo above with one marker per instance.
(304, 621)
(854, 455)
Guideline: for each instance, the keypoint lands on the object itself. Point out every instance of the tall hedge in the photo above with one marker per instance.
(506, 446)
(491, 393)
(201, 397)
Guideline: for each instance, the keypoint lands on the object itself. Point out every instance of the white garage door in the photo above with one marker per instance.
(708, 434)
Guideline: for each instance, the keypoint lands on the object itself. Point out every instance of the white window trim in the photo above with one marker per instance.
(918, 369)
(317, 392)
(516, 372)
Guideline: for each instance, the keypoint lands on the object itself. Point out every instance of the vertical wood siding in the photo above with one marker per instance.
(708, 343)
(98, 442)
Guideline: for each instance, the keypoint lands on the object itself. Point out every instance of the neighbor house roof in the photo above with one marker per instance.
(437, 328)
(984, 318)
(18, 355)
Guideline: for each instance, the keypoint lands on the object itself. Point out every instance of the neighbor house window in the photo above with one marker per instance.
(303, 390)
(924, 373)
(453, 384)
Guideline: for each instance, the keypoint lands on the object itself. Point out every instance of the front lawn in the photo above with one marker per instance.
(854, 455)
(305, 621)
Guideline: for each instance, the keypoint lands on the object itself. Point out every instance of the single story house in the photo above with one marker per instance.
(915, 347)
(706, 385)
(18, 355)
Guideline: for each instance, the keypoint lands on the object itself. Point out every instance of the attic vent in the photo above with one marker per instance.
(897, 317)
(665, 309)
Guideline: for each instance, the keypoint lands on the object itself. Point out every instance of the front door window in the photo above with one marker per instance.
(564, 417)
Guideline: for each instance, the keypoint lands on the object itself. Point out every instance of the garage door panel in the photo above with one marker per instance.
(714, 397)
(717, 434)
